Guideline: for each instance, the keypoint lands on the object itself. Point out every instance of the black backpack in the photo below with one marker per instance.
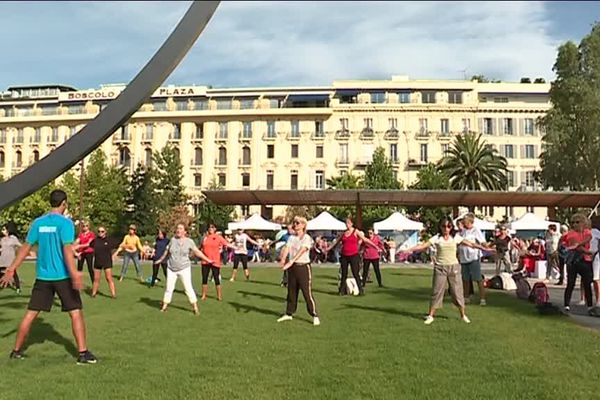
(523, 286)
(496, 283)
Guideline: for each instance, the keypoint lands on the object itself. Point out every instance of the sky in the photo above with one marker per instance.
(254, 44)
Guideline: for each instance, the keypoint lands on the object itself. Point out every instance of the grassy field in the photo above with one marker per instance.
(372, 347)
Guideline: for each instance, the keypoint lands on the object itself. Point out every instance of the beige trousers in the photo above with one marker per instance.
(452, 275)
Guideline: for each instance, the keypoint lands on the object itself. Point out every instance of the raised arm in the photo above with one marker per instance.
(202, 256)
(475, 245)
(288, 264)
(365, 239)
(419, 247)
(334, 243)
(252, 241)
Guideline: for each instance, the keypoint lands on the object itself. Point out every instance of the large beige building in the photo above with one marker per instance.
(288, 137)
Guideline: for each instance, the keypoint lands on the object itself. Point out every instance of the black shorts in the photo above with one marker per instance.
(99, 265)
(42, 295)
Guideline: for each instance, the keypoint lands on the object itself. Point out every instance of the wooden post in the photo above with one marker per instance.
(359, 216)
(552, 213)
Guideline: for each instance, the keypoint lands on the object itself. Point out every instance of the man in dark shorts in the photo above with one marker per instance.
(56, 272)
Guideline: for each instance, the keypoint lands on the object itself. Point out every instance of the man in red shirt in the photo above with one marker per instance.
(212, 245)
(579, 259)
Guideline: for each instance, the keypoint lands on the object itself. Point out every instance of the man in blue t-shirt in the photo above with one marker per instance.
(54, 235)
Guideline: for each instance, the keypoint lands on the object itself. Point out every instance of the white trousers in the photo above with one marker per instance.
(186, 278)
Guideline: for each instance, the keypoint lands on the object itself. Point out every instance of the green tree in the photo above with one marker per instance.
(308, 212)
(571, 142)
(211, 213)
(430, 178)
(70, 184)
(168, 175)
(345, 180)
(473, 165)
(143, 205)
(25, 211)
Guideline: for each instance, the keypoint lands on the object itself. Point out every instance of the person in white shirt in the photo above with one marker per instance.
(470, 257)
(552, 241)
(299, 271)
(240, 254)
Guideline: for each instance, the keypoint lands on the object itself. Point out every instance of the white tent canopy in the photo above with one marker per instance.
(254, 223)
(325, 222)
(531, 222)
(397, 222)
(480, 224)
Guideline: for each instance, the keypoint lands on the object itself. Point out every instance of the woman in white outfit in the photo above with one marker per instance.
(180, 266)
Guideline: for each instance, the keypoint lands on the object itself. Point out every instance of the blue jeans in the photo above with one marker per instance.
(135, 257)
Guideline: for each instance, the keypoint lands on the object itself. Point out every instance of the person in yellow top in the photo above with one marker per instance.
(132, 248)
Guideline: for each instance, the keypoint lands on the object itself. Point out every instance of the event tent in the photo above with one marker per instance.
(254, 223)
(397, 222)
(325, 222)
(531, 222)
(480, 224)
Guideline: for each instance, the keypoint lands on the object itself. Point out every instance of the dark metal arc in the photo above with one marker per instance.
(117, 112)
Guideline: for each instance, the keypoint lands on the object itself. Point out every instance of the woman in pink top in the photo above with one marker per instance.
(86, 252)
(371, 255)
(349, 255)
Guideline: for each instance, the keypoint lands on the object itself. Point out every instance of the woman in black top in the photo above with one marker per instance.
(160, 246)
(103, 261)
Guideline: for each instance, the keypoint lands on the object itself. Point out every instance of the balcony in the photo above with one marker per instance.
(147, 138)
(244, 163)
(269, 136)
(342, 134)
(423, 134)
(392, 134)
(293, 136)
(195, 165)
(412, 163)
(121, 139)
(318, 136)
(363, 161)
(444, 136)
(245, 137)
(220, 163)
(52, 139)
(174, 137)
(395, 161)
(198, 137)
(367, 134)
(342, 162)
(18, 140)
(221, 138)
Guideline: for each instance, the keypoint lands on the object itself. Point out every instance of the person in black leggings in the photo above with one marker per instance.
(85, 252)
(371, 255)
(160, 245)
(580, 260)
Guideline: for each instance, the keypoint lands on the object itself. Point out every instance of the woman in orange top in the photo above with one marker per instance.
(133, 248)
(212, 244)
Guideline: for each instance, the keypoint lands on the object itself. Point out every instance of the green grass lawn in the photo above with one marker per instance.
(372, 347)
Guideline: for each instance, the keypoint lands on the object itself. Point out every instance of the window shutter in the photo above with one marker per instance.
(522, 151)
(480, 124)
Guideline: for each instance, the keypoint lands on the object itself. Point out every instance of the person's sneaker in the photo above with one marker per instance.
(482, 302)
(581, 303)
(316, 321)
(466, 319)
(17, 355)
(567, 309)
(86, 357)
(428, 320)
(231, 280)
(285, 318)
(18, 290)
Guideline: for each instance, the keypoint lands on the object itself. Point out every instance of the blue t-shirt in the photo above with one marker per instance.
(51, 232)
(160, 247)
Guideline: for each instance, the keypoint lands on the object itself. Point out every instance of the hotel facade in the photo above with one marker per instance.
(287, 137)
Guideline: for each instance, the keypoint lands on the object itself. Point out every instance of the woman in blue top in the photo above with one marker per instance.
(160, 246)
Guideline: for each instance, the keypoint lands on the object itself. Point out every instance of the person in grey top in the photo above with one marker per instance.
(8, 249)
(179, 265)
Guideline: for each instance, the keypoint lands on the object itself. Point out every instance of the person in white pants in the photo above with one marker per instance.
(179, 265)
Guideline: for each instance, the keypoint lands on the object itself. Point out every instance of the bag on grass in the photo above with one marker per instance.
(496, 283)
(352, 287)
(539, 293)
(523, 287)
(507, 282)
(548, 309)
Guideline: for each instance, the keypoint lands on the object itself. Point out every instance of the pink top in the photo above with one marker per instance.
(370, 252)
(86, 238)
(349, 244)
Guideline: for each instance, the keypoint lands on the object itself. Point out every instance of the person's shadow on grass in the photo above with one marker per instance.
(262, 296)
(248, 308)
(41, 331)
(156, 304)
(390, 310)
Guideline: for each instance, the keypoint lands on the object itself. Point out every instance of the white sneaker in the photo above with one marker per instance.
(428, 320)
(482, 302)
(316, 321)
(466, 319)
(581, 303)
(285, 318)
(231, 280)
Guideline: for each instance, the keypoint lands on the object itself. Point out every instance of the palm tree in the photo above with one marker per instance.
(471, 164)
(346, 180)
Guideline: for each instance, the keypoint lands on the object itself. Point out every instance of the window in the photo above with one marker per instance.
(529, 180)
(343, 155)
(222, 160)
(124, 132)
(246, 159)
(428, 97)
(176, 132)
(319, 151)
(445, 149)
(422, 126)
(294, 180)
(247, 130)
(271, 129)
(368, 123)
(319, 128)
(181, 105)
(36, 156)
(528, 126)
(270, 179)
(455, 97)
(176, 153)
(530, 151)
(2, 159)
(201, 105)
(488, 126)
(466, 125)
(19, 159)
(124, 157)
(3, 135)
(500, 99)
(294, 151)
(37, 136)
(199, 130)
(344, 124)
(159, 106)
(19, 138)
(246, 104)
(246, 180)
(54, 137)
(423, 152)
(198, 156)
(149, 134)
(509, 151)
(295, 128)
(319, 179)
(148, 157)
(508, 126)
(224, 104)
(222, 179)
(222, 130)
(378, 97)
(510, 177)
(404, 97)
(445, 126)
(270, 151)
(393, 123)
(394, 152)
(197, 180)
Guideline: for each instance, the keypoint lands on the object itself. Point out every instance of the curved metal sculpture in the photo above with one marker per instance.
(117, 112)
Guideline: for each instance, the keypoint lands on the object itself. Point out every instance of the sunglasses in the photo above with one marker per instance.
(295, 222)
(101, 231)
